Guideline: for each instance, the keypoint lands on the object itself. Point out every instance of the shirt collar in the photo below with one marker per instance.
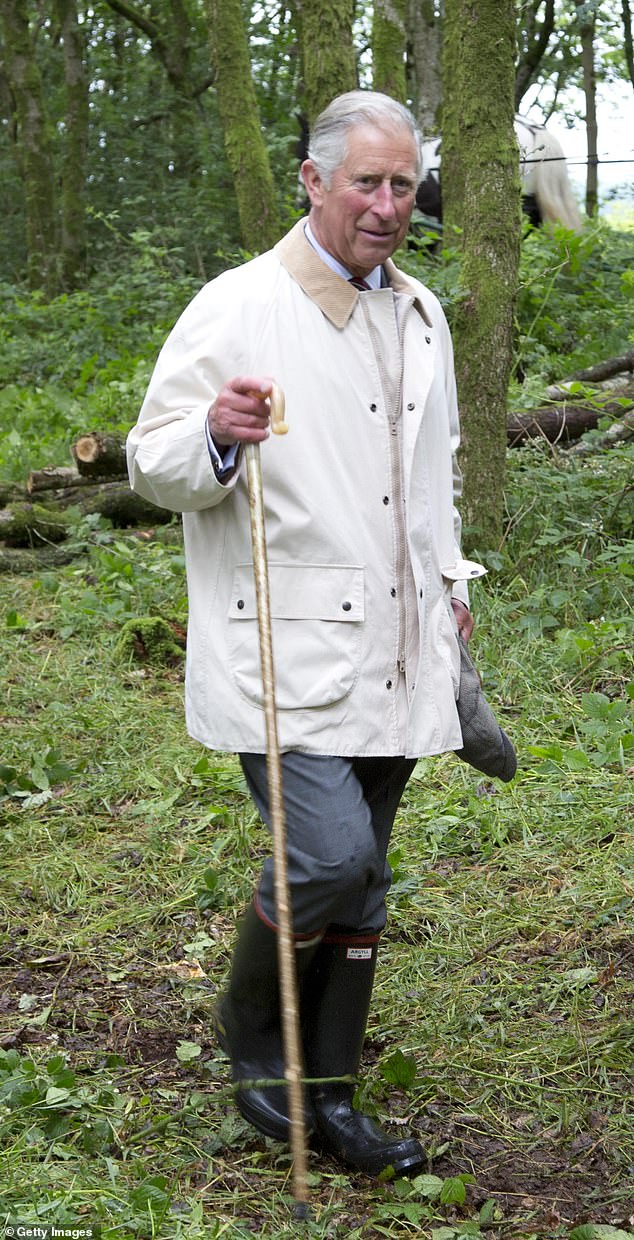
(335, 297)
(374, 277)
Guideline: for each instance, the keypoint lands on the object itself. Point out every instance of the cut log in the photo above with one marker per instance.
(26, 525)
(618, 432)
(561, 422)
(32, 525)
(114, 500)
(556, 423)
(100, 456)
(52, 476)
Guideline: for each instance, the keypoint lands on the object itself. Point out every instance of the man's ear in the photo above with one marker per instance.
(313, 182)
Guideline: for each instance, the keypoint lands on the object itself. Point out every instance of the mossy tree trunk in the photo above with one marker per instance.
(388, 48)
(481, 195)
(237, 105)
(73, 225)
(327, 51)
(32, 147)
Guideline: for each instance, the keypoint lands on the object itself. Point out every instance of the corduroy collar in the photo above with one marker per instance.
(335, 297)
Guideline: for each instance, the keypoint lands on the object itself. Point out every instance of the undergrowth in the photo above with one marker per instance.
(501, 1030)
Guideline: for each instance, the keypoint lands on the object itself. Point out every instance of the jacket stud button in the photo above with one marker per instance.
(372, 408)
(388, 684)
(346, 606)
(411, 405)
(386, 499)
(240, 604)
(428, 339)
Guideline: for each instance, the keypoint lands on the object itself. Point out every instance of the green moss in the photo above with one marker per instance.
(150, 639)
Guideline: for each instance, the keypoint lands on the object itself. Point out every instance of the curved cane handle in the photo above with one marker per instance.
(278, 408)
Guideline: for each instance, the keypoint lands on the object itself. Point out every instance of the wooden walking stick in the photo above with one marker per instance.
(285, 943)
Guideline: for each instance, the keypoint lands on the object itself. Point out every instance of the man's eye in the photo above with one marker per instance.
(368, 182)
(402, 188)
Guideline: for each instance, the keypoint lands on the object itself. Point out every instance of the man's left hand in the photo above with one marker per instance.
(464, 619)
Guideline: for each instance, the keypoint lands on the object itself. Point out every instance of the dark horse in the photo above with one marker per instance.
(546, 190)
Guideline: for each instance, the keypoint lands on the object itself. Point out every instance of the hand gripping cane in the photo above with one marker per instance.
(285, 943)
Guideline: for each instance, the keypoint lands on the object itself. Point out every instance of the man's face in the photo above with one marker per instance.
(363, 216)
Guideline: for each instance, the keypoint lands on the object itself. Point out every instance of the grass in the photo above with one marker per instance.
(501, 1029)
(501, 1032)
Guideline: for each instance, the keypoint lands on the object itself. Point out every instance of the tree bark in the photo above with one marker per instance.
(237, 104)
(424, 61)
(587, 23)
(53, 477)
(388, 48)
(327, 51)
(555, 423)
(626, 14)
(32, 148)
(535, 42)
(482, 198)
(73, 204)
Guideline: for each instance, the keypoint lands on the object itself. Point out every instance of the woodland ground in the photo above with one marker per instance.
(501, 1031)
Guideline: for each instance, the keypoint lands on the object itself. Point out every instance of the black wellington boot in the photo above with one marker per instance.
(247, 1021)
(335, 1006)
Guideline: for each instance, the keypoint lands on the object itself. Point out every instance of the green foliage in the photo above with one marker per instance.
(574, 305)
(82, 361)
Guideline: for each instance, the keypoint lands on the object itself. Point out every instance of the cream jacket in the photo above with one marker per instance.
(362, 530)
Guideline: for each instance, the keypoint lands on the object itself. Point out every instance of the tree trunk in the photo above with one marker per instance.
(388, 48)
(327, 51)
(32, 148)
(424, 61)
(237, 104)
(482, 197)
(73, 226)
(535, 39)
(587, 22)
(626, 13)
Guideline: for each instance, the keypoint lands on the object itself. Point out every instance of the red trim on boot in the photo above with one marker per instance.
(314, 936)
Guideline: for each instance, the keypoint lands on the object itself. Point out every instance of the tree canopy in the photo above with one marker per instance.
(121, 116)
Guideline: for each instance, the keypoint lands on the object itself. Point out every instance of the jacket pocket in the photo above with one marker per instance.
(317, 615)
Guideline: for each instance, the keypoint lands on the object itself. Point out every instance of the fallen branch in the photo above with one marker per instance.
(618, 432)
(52, 477)
(563, 421)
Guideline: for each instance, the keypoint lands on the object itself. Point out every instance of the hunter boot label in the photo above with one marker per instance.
(359, 953)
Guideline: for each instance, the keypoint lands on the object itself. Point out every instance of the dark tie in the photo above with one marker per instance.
(358, 282)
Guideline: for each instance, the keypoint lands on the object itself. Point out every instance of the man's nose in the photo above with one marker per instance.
(384, 200)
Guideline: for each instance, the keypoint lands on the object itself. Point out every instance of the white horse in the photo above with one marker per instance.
(546, 191)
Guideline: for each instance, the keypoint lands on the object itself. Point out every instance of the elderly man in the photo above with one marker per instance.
(366, 584)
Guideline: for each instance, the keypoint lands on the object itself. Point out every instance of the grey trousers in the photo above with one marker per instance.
(339, 817)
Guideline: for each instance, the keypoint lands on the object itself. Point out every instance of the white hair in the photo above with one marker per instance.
(329, 135)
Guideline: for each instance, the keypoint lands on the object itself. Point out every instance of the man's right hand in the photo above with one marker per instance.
(241, 412)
